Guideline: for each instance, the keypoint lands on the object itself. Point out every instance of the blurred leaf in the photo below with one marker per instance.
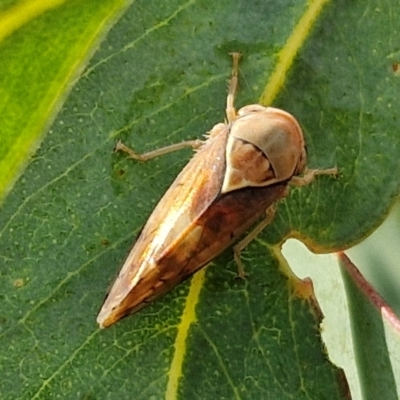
(324, 272)
(157, 79)
(382, 248)
(376, 336)
(43, 47)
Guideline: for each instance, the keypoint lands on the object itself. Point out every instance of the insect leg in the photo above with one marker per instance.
(310, 175)
(195, 144)
(230, 108)
(237, 249)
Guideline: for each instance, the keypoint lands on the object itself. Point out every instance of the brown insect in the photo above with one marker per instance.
(238, 173)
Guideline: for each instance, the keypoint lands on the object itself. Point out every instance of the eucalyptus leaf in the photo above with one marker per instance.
(159, 77)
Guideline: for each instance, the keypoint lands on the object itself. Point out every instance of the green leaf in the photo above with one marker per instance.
(43, 46)
(324, 271)
(381, 248)
(376, 335)
(159, 78)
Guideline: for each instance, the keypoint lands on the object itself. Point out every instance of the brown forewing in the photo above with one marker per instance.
(190, 226)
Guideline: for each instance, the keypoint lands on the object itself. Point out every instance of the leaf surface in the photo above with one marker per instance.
(159, 78)
(376, 335)
(43, 44)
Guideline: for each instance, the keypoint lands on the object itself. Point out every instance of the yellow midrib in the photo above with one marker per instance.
(285, 60)
(289, 51)
(188, 318)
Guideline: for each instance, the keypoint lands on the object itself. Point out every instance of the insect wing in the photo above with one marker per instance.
(192, 192)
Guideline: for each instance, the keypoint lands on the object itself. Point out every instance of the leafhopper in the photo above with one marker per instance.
(237, 175)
